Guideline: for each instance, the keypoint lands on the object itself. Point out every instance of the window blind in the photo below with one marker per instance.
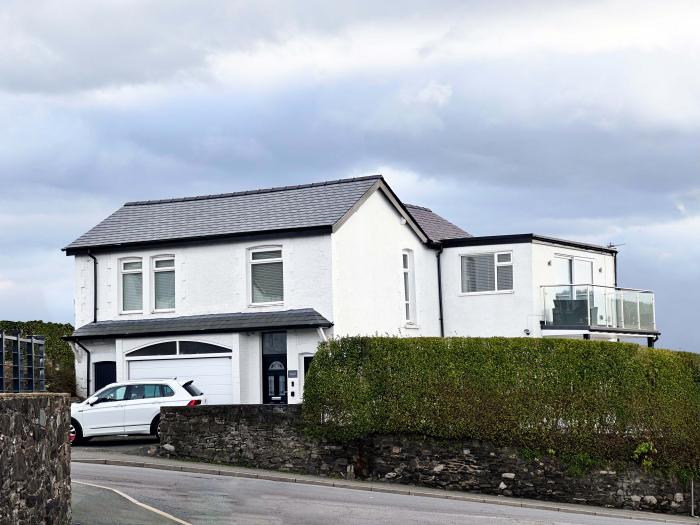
(164, 288)
(267, 282)
(478, 273)
(132, 290)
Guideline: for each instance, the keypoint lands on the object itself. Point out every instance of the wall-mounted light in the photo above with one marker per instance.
(402, 220)
(600, 270)
(549, 263)
(526, 331)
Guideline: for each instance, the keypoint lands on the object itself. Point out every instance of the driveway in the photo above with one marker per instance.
(203, 498)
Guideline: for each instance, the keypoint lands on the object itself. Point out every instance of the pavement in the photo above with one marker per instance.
(192, 492)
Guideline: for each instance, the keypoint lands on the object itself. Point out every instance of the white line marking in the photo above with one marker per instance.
(135, 502)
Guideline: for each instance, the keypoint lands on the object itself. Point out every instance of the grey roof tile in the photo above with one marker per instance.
(436, 227)
(291, 207)
(228, 322)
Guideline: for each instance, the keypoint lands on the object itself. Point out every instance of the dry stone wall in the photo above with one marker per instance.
(271, 437)
(34, 459)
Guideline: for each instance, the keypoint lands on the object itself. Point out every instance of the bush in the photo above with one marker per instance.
(575, 397)
(60, 366)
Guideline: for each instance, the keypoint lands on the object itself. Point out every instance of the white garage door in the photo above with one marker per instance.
(212, 375)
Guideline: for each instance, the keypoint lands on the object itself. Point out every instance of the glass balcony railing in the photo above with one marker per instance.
(586, 305)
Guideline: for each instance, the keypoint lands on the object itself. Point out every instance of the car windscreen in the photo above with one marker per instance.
(191, 389)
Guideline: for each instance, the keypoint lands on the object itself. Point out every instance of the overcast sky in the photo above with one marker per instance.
(579, 120)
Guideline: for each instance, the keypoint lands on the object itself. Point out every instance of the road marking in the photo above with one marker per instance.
(135, 502)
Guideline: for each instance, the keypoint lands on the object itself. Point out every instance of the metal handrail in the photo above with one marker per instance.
(639, 290)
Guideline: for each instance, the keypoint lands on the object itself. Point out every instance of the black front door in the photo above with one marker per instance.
(275, 378)
(105, 373)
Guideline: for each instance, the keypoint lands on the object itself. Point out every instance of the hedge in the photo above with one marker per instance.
(60, 365)
(564, 395)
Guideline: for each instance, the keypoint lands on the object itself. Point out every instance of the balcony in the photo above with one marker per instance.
(598, 308)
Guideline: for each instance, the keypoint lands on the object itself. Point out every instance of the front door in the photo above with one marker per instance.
(275, 379)
(105, 373)
(274, 367)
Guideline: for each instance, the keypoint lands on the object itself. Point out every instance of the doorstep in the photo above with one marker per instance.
(103, 457)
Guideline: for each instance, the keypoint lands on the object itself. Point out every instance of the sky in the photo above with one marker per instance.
(572, 119)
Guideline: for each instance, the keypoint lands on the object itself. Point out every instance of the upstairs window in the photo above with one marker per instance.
(487, 272)
(266, 276)
(132, 285)
(164, 283)
(409, 295)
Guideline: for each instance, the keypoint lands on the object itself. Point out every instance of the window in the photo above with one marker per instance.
(195, 347)
(135, 392)
(169, 348)
(164, 283)
(274, 343)
(409, 295)
(266, 276)
(113, 394)
(132, 286)
(487, 272)
(179, 348)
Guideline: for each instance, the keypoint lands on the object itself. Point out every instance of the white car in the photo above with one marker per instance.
(130, 407)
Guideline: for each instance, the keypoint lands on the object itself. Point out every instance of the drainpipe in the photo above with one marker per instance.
(94, 284)
(88, 365)
(615, 267)
(439, 279)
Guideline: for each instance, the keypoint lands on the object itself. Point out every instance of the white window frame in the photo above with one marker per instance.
(123, 272)
(410, 301)
(495, 272)
(251, 262)
(155, 270)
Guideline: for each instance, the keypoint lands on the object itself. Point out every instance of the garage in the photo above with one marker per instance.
(212, 374)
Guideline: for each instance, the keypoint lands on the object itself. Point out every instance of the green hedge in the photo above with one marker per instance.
(571, 396)
(60, 366)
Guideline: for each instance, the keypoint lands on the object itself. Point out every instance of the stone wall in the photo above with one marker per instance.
(34, 459)
(271, 437)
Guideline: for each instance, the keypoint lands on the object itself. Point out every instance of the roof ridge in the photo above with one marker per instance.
(254, 192)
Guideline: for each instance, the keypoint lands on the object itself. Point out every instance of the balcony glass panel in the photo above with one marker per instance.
(584, 305)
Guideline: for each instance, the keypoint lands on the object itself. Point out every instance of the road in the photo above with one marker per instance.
(208, 499)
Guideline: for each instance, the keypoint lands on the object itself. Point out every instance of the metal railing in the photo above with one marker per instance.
(22, 362)
(588, 305)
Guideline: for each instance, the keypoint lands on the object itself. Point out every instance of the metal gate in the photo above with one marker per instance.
(22, 363)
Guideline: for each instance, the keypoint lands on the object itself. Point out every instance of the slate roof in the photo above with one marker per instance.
(212, 323)
(436, 227)
(286, 208)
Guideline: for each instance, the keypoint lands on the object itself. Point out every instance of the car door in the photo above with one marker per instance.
(140, 407)
(106, 415)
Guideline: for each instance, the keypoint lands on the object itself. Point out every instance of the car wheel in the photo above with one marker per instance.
(155, 427)
(75, 434)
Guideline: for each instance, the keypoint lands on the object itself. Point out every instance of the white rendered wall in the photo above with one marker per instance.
(368, 276)
(210, 279)
(509, 314)
(100, 350)
(488, 314)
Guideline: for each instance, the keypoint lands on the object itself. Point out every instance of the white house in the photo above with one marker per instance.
(236, 290)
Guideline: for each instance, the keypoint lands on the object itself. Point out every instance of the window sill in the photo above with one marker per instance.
(130, 312)
(411, 327)
(495, 292)
(165, 311)
(259, 305)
